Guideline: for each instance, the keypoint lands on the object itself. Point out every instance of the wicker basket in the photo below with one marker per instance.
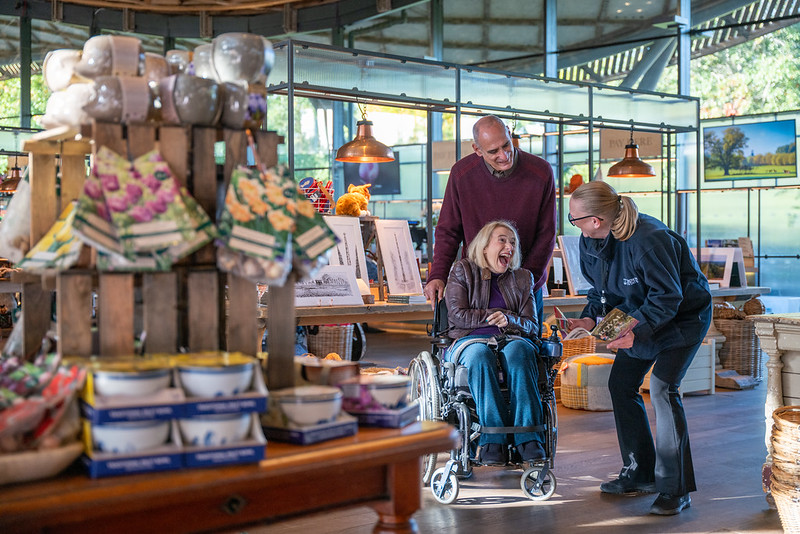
(787, 419)
(741, 350)
(572, 347)
(787, 500)
(574, 397)
(332, 338)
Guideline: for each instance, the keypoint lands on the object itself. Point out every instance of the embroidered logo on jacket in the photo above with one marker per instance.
(630, 281)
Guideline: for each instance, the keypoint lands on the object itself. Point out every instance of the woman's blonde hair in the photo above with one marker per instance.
(601, 200)
(481, 241)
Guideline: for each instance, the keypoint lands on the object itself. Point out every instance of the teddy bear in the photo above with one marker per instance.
(355, 201)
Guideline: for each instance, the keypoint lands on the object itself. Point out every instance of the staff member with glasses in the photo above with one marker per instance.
(637, 264)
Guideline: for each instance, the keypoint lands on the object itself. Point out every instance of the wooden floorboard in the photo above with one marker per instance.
(727, 437)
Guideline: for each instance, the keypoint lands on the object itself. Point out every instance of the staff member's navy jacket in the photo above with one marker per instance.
(653, 277)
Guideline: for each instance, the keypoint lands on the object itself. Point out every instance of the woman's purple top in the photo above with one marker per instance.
(496, 300)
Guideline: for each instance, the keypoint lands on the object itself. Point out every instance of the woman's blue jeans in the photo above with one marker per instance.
(518, 361)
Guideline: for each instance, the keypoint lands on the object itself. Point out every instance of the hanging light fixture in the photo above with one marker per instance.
(364, 148)
(9, 185)
(631, 165)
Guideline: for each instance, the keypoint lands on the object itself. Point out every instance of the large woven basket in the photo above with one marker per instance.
(787, 500)
(574, 396)
(332, 338)
(741, 350)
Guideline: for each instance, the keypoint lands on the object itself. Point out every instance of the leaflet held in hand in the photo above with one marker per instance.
(614, 325)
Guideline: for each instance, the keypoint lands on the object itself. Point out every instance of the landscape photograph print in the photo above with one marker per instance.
(750, 151)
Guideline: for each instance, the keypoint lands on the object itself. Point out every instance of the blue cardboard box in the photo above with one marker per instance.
(388, 418)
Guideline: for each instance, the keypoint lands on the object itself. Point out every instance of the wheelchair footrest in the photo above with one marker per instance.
(512, 429)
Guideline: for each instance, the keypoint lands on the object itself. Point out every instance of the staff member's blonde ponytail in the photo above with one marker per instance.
(600, 199)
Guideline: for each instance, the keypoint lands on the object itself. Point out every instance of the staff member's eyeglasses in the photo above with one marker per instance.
(572, 219)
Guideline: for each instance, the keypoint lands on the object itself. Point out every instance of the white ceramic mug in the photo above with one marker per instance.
(201, 60)
(242, 57)
(105, 55)
(58, 69)
(188, 99)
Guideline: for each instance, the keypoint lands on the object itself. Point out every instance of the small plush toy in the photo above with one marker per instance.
(574, 183)
(354, 202)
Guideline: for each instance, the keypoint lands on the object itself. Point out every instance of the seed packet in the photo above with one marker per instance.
(58, 249)
(614, 325)
(92, 222)
(145, 203)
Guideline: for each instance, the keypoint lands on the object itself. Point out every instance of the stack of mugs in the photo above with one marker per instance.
(785, 481)
(112, 79)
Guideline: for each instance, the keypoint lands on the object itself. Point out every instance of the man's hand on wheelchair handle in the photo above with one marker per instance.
(434, 291)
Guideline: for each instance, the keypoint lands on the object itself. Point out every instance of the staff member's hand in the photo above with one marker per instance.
(498, 319)
(584, 322)
(624, 342)
(434, 292)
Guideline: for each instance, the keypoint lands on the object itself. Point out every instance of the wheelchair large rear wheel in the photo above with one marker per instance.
(425, 388)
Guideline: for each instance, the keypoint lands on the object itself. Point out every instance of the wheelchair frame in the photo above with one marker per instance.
(434, 383)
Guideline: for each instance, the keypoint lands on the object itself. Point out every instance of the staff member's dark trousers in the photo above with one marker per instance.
(669, 462)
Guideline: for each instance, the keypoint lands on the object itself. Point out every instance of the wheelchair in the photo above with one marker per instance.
(441, 389)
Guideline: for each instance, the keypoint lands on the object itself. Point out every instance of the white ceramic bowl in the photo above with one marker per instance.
(130, 436)
(218, 381)
(392, 391)
(130, 383)
(309, 405)
(389, 391)
(214, 430)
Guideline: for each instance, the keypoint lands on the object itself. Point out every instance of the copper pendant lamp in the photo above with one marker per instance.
(631, 165)
(9, 185)
(364, 148)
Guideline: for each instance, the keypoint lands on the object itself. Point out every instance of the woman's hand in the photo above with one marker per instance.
(624, 342)
(585, 322)
(498, 319)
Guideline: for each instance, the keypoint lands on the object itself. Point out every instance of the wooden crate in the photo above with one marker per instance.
(700, 375)
(182, 308)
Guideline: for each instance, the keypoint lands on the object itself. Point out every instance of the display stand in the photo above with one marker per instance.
(186, 307)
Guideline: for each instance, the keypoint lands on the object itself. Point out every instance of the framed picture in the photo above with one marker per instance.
(350, 249)
(335, 285)
(399, 259)
(722, 265)
(751, 151)
(570, 251)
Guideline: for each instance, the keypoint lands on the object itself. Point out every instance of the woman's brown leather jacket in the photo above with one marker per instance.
(467, 297)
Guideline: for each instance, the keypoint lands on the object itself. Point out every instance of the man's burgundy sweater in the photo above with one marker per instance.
(474, 197)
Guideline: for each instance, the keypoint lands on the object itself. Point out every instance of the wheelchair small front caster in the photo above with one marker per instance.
(444, 485)
(538, 483)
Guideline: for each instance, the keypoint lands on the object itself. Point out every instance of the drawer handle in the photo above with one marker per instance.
(234, 505)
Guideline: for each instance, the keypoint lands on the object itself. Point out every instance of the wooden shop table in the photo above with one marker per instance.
(379, 467)
(379, 312)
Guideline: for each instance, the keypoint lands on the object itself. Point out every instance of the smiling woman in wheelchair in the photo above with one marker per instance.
(489, 296)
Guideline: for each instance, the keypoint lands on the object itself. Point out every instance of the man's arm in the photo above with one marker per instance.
(448, 237)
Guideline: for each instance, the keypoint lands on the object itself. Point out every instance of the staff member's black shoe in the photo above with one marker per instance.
(667, 504)
(620, 486)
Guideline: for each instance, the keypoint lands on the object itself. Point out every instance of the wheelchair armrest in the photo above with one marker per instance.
(441, 342)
